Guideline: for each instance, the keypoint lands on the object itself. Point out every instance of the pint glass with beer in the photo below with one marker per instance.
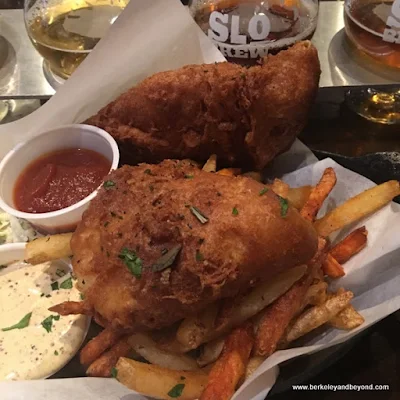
(373, 27)
(245, 30)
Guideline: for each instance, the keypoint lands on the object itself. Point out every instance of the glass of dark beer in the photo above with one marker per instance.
(373, 29)
(245, 30)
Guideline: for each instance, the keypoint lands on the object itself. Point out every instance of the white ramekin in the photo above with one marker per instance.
(68, 136)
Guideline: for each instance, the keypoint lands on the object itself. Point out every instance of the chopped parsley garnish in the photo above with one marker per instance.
(108, 185)
(106, 224)
(55, 352)
(132, 261)
(113, 214)
(82, 296)
(167, 259)
(199, 256)
(243, 75)
(176, 391)
(263, 191)
(47, 323)
(114, 372)
(54, 286)
(148, 172)
(67, 284)
(235, 211)
(284, 206)
(21, 324)
(188, 176)
(198, 214)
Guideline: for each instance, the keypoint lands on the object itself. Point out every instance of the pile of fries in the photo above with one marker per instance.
(209, 355)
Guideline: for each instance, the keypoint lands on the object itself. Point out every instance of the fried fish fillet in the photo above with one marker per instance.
(227, 234)
(246, 116)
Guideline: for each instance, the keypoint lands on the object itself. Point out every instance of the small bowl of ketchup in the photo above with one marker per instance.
(50, 179)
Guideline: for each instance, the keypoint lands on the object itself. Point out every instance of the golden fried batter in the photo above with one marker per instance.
(245, 116)
(142, 212)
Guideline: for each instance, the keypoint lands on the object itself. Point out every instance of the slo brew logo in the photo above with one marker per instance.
(227, 33)
(392, 33)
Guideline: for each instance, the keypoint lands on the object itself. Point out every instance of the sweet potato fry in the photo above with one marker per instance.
(98, 345)
(350, 245)
(274, 320)
(231, 366)
(317, 316)
(229, 171)
(347, 319)
(332, 268)
(318, 195)
(357, 207)
(72, 307)
(211, 164)
(298, 196)
(102, 367)
(280, 188)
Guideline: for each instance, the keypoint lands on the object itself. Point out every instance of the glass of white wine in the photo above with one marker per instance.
(65, 31)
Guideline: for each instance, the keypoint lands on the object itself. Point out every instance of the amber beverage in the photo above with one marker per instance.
(373, 27)
(245, 30)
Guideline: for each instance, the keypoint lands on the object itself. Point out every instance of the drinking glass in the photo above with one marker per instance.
(65, 31)
(245, 30)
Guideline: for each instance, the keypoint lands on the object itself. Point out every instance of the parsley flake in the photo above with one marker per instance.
(47, 323)
(235, 211)
(67, 284)
(108, 185)
(21, 324)
(132, 261)
(55, 352)
(188, 176)
(263, 191)
(148, 172)
(284, 206)
(54, 286)
(114, 372)
(176, 391)
(199, 256)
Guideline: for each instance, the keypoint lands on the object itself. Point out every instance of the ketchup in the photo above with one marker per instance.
(59, 179)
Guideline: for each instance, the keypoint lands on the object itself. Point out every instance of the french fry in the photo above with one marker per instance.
(102, 367)
(280, 188)
(316, 294)
(253, 175)
(229, 171)
(318, 315)
(231, 366)
(193, 330)
(142, 344)
(48, 248)
(72, 307)
(252, 366)
(98, 345)
(210, 352)
(298, 196)
(350, 245)
(332, 268)
(318, 195)
(274, 320)
(158, 382)
(357, 207)
(347, 319)
(259, 298)
(211, 164)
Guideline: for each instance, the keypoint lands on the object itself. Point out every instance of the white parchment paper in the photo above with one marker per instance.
(152, 36)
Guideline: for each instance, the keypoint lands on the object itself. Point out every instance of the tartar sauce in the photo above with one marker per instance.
(35, 342)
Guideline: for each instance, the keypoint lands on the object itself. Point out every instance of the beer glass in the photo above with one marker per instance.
(245, 30)
(65, 31)
(373, 28)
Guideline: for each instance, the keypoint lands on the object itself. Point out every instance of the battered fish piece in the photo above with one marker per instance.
(227, 234)
(247, 116)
